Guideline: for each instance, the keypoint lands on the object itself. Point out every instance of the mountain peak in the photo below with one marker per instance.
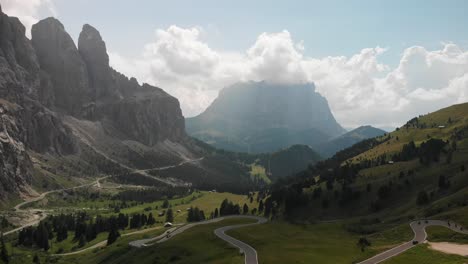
(90, 43)
(263, 117)
(94, 53)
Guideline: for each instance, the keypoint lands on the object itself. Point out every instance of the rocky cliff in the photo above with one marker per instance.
(62, 102)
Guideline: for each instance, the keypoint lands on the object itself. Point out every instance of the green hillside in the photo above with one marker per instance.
(419, 170)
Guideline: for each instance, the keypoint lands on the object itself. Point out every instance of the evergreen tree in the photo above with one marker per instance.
(260, 206)
(423, 198)
(165, 204)
(113, 235)
(245, 209)
(82, 241)
(151, 220)
(363, 243)
(169, 215)
(36, 259)
(62, 233)
(216, 213)
(4, 223)
(3, 251)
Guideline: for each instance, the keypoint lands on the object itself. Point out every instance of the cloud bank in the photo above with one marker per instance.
(359, 89)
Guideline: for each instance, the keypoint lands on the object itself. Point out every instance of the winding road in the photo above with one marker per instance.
(42, 214)
(39, 215)
(420, 235)
(249, 252)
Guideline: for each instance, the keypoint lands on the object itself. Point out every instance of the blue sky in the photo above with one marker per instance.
(376, 62)
(328, 28)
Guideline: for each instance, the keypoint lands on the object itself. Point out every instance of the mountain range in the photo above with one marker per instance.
(66, 115)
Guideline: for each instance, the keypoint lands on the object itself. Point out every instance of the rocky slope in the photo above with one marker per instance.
(264, 117)
(65, 113)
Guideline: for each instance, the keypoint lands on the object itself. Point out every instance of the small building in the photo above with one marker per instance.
(162, 213)
(391, 162)
(168, 224)
(178, 211)
(441, 126)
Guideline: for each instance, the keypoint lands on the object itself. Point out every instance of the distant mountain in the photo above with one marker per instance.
(352, 137)
(259, 117)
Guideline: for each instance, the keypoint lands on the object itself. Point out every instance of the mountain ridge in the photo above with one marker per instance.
(327, 149)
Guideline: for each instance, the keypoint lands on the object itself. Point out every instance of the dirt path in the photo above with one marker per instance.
(450, 248)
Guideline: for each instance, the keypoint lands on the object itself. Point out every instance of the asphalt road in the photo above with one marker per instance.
(420, 235)
(249, 252)
(41, 213)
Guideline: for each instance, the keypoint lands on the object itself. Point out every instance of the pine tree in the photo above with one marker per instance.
(82, 241)
(113, 235)
(3, 251)
(245, 209)
(216, 213)
(36, 259)
(169, 215)
(151, 220)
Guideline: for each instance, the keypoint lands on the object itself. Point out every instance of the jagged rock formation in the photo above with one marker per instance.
(62, 68)
(264, 117)
(15, 164)
(63, 102)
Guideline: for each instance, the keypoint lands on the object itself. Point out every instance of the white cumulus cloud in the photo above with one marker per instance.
(359, 88)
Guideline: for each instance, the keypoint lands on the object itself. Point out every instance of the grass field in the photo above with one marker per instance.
(442, 234)
(280, 242)
(258, 171)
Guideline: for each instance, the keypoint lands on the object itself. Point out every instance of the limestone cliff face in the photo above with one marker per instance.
(48, 78)
(24, 122)
(93, 51)
(15, 164)
(149, 115)
(19, 70)
(64, 73)
(144, 113)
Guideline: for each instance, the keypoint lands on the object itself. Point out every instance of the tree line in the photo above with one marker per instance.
(84, 227)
